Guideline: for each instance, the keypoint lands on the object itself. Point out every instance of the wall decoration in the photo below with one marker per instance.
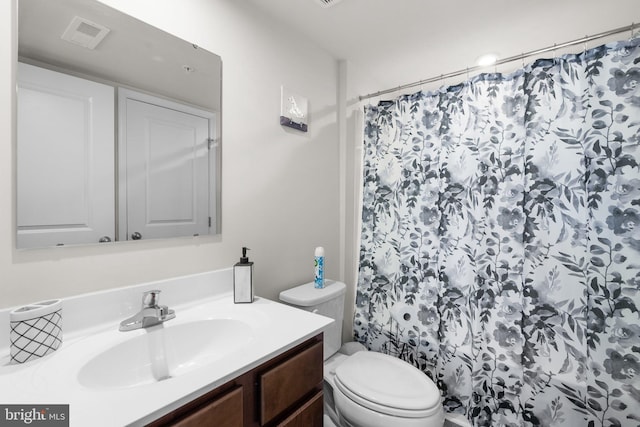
(293, 110)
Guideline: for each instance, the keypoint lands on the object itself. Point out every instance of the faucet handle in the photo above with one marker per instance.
(150, 298)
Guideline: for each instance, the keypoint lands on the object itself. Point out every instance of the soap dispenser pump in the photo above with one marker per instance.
(243, 279)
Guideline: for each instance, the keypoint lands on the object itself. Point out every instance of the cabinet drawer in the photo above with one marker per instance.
(225, 411)
(308, 415)
(287, 383)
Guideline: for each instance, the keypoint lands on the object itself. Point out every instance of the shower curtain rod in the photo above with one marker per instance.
(504, 61)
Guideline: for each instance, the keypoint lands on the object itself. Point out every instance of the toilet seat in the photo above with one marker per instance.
(387, 385)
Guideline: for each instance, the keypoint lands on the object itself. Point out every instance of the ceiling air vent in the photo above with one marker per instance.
(328, 3)
(85, 33)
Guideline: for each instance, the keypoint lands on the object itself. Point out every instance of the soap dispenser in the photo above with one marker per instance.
(243, 279)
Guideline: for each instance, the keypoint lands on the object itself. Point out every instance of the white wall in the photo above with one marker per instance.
(280, 187)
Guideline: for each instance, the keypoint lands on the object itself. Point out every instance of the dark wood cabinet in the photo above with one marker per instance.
(224, 411)
(289, 381)
(308, 415)
(284, 391)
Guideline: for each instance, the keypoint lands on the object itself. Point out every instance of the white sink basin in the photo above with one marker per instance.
(163, 352)
(211, 341)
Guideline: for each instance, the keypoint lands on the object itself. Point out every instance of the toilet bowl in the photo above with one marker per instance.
(365, 388)
(377, 390)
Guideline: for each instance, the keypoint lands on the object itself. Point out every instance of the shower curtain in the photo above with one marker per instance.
(500, 242)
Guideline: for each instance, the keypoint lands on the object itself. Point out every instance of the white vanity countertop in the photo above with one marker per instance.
(54, 378)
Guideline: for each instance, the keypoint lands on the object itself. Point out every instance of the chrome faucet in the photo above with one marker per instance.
(151, 313)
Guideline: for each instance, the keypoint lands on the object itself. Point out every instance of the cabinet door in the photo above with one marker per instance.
(65, 159)
(165, 159)
(308, 415)
(225, 411)
(284, 385)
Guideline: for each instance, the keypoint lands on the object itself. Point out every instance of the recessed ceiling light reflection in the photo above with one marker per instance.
(487, 59)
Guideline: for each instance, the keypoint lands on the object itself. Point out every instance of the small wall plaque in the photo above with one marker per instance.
(293, 110)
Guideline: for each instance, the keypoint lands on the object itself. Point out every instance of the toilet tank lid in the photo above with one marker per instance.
(307, 295)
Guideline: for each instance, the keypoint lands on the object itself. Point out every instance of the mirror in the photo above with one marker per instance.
(118, 128)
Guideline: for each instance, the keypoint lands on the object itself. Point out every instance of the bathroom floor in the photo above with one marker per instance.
(456, 420)
(329, 423)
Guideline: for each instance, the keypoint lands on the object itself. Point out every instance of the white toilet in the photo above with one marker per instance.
(365, 388)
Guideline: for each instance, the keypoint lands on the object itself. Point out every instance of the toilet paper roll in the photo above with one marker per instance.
(36, 330)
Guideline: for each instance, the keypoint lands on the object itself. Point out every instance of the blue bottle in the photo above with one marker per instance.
(319, 268)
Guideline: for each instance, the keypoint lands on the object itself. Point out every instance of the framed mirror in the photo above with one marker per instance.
(118, 128)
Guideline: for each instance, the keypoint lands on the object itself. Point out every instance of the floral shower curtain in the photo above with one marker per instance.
(500, 245)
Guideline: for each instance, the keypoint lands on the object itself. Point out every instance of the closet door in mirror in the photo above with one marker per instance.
(65, 159)
(166, 161)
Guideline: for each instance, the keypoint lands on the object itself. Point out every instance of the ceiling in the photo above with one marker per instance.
(156, 62)
(393, 42)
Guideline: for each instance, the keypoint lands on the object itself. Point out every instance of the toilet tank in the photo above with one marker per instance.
(327, 301)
